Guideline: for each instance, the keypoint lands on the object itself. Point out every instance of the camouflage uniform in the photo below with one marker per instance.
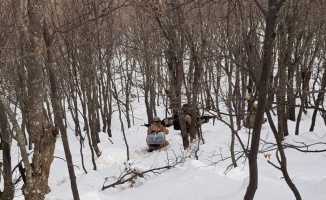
(156, 126)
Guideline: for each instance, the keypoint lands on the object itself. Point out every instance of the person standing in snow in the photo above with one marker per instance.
(156, 135)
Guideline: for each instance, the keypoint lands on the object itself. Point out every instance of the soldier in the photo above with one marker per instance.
(156, 135)
(249, 119)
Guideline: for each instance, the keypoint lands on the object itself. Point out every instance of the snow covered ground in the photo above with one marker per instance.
(207, 178)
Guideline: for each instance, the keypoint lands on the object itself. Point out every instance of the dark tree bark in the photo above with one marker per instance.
(5, 166)
(287, 29)
(19, 136)
(273, 8)
(175, 37)
(176, 73)
(58, 112)
(281, 89)
(319, 99)
(282, 159)
(42, 132)
(306, 74)
(195, 60)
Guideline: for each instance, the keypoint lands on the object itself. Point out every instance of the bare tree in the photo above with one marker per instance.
(171, 27)
(282, 158)
(5, 166)
(42, 132)
(320, 98)
(270, 16)
(58, 109)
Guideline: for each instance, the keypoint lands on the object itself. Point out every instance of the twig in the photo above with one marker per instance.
(134, 174)
(130, 175)
(66, 161)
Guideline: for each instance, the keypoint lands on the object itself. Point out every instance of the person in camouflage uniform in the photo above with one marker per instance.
(156, 135)
(249, 119)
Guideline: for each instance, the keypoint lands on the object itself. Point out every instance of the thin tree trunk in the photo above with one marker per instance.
(234, 162)
(305, 88)
(120, 117)
(58, 113)
(5, 166)
(42, 132)
(273, 8)
(280, 94)
(282, 160)
(320, 99)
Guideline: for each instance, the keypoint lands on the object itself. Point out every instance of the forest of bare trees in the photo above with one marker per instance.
(90, 58)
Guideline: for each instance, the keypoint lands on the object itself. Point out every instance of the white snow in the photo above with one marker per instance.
(208, 178)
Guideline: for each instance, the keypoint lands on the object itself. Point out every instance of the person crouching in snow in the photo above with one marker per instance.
(249, 119)
(156, 135)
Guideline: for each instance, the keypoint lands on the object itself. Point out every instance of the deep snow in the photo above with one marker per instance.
(207, 178)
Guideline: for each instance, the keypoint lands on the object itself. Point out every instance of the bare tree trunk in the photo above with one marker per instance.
(5, 166)
(282, 160)
(306, 73)
(72, 99)
(176, 74)
(289, 28)
(280, 94)
(273, 8)
(92, 105)
(116, 96)
(58, 112)
(195, 59)
(285, 51)
(42, 133)
(110, 99)
(320, 99)
(229, 104)
(127, 75)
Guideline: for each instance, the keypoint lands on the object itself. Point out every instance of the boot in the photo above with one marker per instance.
(164, 144)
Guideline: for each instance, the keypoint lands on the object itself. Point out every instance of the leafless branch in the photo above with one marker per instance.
(130, 175)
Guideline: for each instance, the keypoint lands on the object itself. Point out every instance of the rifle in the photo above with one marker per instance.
(206, 118)
(147, 125)
(166, 122)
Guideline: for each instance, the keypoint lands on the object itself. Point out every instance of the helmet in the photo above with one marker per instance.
(156, 119)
